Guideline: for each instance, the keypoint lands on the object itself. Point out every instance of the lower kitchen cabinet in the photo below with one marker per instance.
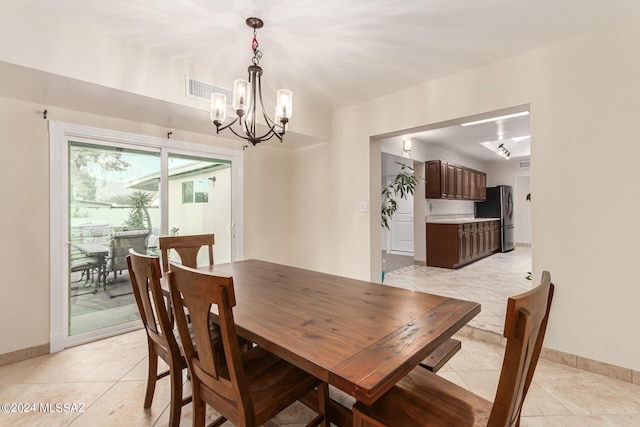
(452, 245)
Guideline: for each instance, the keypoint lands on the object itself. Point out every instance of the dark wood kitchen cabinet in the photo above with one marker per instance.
(450, 181)
(452, 245)
(436, 184)
(482, 186)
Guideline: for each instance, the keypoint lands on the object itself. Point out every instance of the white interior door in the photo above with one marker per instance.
(401, 227)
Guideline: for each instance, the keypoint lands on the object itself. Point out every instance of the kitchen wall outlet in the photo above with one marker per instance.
(364, 207)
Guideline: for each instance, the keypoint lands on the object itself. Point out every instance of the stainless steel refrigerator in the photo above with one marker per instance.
(499, 204)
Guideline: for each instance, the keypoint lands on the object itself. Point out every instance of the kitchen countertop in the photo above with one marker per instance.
(458, 220)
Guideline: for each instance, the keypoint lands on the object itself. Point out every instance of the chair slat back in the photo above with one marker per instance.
(187, 248)
(144, 272)
(197, 292)
(525, 327)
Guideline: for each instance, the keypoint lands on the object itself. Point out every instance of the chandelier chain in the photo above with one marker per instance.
(255, 46)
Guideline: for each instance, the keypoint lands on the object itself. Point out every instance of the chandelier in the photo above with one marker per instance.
(246, 97)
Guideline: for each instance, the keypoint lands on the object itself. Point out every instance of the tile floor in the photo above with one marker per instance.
(107, 377)
(489, 281)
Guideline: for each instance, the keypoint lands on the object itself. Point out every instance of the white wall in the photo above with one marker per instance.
(522, 211)
(268, 206)
(583, 96)
(502, 172)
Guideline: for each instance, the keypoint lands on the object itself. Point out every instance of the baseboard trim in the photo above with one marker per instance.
(567, 359)
(23, 354)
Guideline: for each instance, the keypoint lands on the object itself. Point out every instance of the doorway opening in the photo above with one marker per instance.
(472, 142)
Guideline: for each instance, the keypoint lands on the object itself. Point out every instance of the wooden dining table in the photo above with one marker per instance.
(358, 336)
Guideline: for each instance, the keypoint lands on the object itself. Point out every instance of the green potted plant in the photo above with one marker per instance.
(402, 185)
(139, 217)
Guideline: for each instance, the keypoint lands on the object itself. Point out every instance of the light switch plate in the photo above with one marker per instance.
(364, 207)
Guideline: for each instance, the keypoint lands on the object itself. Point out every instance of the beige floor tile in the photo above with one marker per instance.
(540, 403)
(477, 355)
(294, 414)
(139, 372)
(122, 405)
(585, 393)
(548, 365)
(612, 420)
(186, 417)
(77, 396)
(488, 322)
(482, 383)
(582, 421)
(41, 369)
(136, 340)
(111, 365)
(554, 421)
(496, 308)
(453, 377)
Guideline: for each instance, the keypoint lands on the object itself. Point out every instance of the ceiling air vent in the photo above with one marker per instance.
(524, 164)
(197, 89)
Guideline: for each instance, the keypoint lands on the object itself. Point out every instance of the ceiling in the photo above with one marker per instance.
(481, 141)
(341, 52)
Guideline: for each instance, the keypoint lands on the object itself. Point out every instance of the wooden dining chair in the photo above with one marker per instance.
(247, 388)
(144, 272)
(423, 398)
(187, 247)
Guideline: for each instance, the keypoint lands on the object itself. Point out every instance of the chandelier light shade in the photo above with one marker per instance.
(247, 94)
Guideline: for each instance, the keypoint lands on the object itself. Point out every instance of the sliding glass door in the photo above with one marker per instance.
(114, 197)
(199, 193)
(113, 191)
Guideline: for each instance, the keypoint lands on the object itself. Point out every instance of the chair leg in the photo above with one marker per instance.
(322, 419)
(152, 376)
(323, 403)
(199, 407)
(176, 394)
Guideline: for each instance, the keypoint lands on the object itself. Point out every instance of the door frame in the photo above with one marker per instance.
(60, 135)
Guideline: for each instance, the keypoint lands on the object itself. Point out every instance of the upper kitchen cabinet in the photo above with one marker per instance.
(437, 182)
(450, 181)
